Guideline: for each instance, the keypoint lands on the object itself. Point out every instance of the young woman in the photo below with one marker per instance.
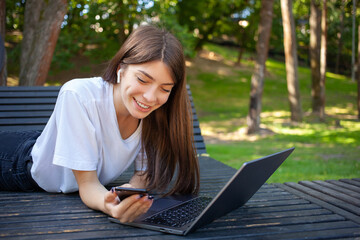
(137, 112)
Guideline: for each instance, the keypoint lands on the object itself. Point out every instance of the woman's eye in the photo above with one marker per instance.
(140, 80)
(166, 90)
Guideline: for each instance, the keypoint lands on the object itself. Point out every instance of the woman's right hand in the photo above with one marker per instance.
(97, 197)
(128, 209)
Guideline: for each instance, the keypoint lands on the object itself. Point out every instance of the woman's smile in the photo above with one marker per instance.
(143, 107)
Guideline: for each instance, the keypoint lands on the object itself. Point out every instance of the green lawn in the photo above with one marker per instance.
(329, 150)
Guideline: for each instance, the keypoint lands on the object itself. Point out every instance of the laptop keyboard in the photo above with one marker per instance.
(180, 215)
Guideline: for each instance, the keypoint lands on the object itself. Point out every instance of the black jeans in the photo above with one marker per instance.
(16, 161)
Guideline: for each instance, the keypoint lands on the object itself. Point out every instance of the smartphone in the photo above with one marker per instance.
(124, 192)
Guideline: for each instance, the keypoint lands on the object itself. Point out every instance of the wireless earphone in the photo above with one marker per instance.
(118, 75)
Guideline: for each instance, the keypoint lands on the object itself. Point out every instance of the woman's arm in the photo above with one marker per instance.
(96, 196)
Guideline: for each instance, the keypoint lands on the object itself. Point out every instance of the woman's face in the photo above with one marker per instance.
(144, 88)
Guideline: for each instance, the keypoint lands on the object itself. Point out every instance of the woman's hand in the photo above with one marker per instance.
(96, 196)
(128, 209)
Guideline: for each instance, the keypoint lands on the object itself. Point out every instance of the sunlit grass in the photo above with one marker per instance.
(336, 76)
(308, 161)
(12, 81)
(323, 150)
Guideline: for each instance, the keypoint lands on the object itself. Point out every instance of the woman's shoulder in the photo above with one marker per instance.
(81, 83)
(86, 86)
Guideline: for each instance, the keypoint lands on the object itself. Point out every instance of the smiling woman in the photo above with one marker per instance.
(147, 48)
(139, 111)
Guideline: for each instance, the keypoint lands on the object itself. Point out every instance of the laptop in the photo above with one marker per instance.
(181, 215)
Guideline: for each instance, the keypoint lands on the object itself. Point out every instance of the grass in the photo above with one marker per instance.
(323, 150)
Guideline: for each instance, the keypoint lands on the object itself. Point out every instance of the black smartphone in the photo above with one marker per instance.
(124, 192)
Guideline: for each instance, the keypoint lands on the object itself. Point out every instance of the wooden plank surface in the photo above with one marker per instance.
(330, 192)
(325, 200)
(273, 213)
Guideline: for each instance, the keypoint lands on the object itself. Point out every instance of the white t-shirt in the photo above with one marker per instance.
(83, 134)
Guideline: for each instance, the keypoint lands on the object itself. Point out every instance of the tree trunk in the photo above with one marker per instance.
(42, 24)
(323, 59)
(315, 42)
(240, 53)
(241, 38)
(340, 36)
(353, 66)
(291, 60)
(257, 79)
(3, 55)
(358, 74)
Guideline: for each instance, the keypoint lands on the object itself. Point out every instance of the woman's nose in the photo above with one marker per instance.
(150, 95)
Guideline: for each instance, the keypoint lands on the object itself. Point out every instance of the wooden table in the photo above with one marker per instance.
(314, 210)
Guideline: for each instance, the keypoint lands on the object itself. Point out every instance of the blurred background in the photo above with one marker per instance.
(264, 75)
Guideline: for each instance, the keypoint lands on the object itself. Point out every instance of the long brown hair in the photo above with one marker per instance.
(167, 133)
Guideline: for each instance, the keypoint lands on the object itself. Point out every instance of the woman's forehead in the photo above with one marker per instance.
(155, 70)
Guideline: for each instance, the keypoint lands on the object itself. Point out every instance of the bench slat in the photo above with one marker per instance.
(30, 89)
(22, 127)
(28, 94)
(26, 114)
(27, 101)
(23, 121)
(11, 108)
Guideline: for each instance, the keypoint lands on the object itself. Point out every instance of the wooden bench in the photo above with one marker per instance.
(308, 209)
(29, 108)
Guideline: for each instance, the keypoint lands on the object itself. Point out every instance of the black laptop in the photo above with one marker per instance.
(183, 214)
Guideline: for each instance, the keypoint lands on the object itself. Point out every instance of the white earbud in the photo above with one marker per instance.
(118, 75)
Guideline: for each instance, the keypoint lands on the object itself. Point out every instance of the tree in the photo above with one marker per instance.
(315, 44)
(323, 59)
(241, 39)
(3, 72)
(291, 60)
(340, 36)
(318, 41)
(353, 66)
(257, 79)
(338, 32)
(358, 75)
(42, 26)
